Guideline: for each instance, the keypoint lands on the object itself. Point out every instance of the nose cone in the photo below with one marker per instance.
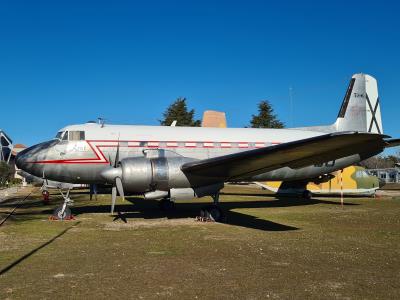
(21, 159)
(28, 159)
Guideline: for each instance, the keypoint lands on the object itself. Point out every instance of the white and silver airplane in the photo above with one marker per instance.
(168, 162)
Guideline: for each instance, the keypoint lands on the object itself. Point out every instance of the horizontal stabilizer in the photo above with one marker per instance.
(392, 143)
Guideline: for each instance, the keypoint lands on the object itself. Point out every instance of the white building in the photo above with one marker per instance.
(389, 175)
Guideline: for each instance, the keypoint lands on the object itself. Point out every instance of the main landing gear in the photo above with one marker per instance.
(166, 204)
(63, 212)
(212, 212)
(307, 195)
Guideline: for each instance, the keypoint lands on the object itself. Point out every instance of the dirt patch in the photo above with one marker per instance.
(15, 192)
(164, 222)
(388, 193)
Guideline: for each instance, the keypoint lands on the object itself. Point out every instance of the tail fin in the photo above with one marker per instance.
(360, 109)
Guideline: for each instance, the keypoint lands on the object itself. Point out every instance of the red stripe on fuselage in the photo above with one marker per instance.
(104, 160)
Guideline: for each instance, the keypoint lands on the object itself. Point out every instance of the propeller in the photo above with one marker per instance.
(117, 187)
(113, 174)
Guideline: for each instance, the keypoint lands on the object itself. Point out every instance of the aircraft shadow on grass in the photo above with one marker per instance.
(137, 208)
(148, 209)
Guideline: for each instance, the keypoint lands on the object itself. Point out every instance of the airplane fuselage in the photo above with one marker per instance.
(81, 152)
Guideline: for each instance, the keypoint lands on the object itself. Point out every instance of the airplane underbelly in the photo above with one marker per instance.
(288, 174)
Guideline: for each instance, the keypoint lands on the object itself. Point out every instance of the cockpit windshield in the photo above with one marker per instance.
(59, 135)
(70, 136)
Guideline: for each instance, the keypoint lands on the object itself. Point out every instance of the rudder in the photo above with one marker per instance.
(360, 110)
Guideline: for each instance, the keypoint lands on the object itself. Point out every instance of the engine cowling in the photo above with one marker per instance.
(141, 174)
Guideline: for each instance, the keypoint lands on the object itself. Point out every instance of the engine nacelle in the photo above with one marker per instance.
(184, 193)
(141, 174)
(172, 194)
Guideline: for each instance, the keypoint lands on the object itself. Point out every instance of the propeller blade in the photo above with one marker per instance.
(120, 188)
(113, 198)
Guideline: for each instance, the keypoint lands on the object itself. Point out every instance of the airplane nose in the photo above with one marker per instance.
(21, 158)
(26, 158)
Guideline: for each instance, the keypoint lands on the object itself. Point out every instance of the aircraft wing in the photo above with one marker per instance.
(296, 154)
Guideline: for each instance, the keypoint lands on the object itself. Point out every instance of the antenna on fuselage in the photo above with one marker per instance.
(101, 121)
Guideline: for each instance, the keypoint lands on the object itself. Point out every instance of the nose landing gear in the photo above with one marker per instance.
(63, 212)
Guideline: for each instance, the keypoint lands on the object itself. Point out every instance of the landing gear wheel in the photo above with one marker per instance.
(212, 213)
(58, 214)
(307, 195)
(166, 204)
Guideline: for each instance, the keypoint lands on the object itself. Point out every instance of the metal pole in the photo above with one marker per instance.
(11, 150)
(341, 188)
(1, 150)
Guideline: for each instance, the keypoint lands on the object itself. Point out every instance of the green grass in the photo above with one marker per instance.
(269, 248)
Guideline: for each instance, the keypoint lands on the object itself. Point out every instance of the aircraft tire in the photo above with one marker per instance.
(307, 195)
(213, 212)
(166, 204)
(59, 216)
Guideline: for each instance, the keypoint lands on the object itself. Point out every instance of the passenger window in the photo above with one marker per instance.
(76, 135)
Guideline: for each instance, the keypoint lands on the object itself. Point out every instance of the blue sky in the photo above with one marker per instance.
(65, 62)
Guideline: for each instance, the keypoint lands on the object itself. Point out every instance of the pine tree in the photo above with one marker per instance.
(266, 117)
(178, 111)
(5, 172)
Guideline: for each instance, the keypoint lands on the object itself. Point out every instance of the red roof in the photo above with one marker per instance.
(20, 146)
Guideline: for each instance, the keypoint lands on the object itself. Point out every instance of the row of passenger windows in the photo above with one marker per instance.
(80, 136)
(71, 135)
(152, 144)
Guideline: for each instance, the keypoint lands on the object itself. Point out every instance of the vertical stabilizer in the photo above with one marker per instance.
(360, 110)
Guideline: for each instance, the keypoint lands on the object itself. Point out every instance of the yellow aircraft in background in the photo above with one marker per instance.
(355, 182)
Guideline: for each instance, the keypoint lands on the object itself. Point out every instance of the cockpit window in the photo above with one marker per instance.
(361, 174)
(59, 134)
(65, 136)
(76, 135)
